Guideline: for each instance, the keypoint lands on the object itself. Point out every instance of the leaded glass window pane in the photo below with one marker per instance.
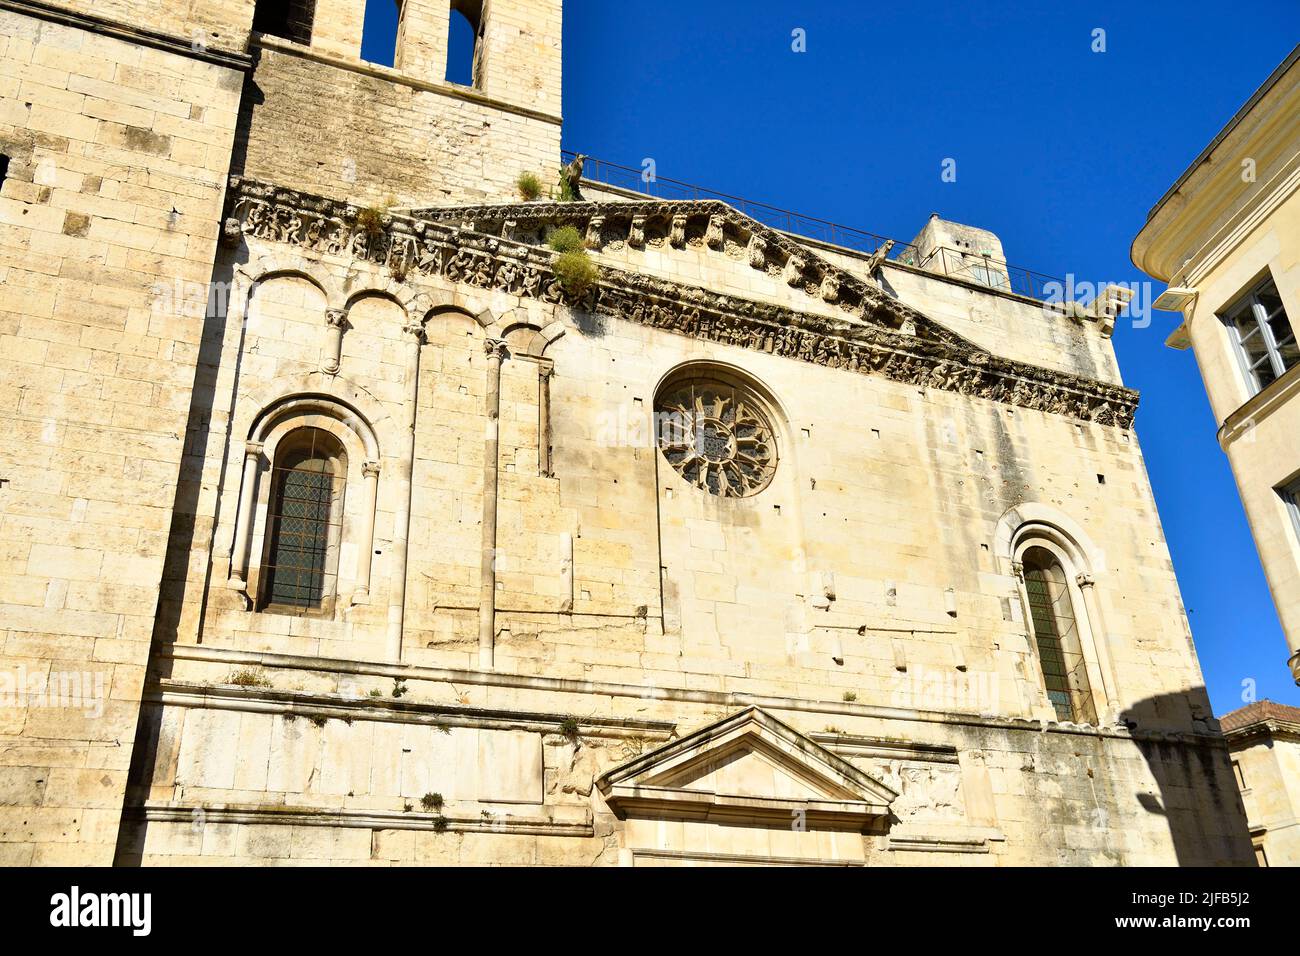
(1056, 637)
(304, 520)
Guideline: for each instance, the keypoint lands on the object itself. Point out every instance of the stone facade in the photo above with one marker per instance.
(1264, 742)
(1226, 237)
(543, 621)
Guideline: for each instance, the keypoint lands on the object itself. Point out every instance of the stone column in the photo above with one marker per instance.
(545, 370)
(1032, 693)
(405, 459)
(496, 352)
(366, 543)
(244, 517)
(336, 323)
(1101, 641)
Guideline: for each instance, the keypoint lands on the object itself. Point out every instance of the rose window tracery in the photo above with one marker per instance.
(717, 436)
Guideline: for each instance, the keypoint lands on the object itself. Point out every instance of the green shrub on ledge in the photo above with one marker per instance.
(576, 272)
(566, 239)
(529, 186)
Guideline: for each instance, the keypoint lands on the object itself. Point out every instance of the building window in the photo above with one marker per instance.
(305, 522)
(717, 436)
(464, 42)
(1056, 635)
(1266, 343)
(1290, 495)
(1240, 777)
(1261, 858)
(288, 19)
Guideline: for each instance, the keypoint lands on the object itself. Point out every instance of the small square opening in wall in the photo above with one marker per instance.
(806, 433)
(875, 433)
(1101, 479)
(4, 168)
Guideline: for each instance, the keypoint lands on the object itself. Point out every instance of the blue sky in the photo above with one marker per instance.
(1059, 150)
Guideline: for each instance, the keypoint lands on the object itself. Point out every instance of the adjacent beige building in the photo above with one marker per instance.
(1264, 741)
(341, 523)
(1226, 238)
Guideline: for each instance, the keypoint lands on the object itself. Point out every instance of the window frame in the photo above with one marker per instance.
(1068, 642)
(1250, 301)
(1289, 492)
(288, 444)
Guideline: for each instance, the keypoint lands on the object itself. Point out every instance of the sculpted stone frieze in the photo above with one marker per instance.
(877, 334)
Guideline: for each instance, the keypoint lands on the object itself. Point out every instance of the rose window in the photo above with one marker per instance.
(717, 437)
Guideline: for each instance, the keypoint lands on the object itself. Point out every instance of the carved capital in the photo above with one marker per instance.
(496, 349)
(1084, 579)
(370, 469)
(417, 332)
(253, 449)
(337, 319)
(1018, 569)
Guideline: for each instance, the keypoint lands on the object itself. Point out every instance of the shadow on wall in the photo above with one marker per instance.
(1197, 793)
(185, 522)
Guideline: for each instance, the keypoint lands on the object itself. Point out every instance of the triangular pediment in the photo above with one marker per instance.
(645, 232)
(747, 766)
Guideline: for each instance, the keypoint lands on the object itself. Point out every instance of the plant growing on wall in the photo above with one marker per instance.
(564, 190)
(370, 220)
(569, 728)
(373, 220)
(576, 272)
(566, 239)
(573, 267)
(529, 186)
(248, 677)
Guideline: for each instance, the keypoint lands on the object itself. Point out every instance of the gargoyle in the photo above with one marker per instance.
(570, 176)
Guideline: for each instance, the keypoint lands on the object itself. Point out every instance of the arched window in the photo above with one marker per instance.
(463, 35)
(1056, 635)
(304, 522)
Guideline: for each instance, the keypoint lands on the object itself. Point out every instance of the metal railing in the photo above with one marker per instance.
(981, 270)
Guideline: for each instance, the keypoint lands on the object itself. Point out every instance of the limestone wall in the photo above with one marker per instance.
(108, 221)
(624, 595)
(1260, 433)
(389, 138)
(482, 770)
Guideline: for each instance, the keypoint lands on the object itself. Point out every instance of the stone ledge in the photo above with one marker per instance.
(338, 707)
(129, 34)
(380, 72)
(210, 654)
(156, 812)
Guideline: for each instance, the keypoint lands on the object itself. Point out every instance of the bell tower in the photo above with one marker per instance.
(516, 56)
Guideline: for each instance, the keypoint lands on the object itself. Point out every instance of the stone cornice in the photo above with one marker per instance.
(501, 247)
(230, 657)
(391, 75)
(522, 824)
(181, 46)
